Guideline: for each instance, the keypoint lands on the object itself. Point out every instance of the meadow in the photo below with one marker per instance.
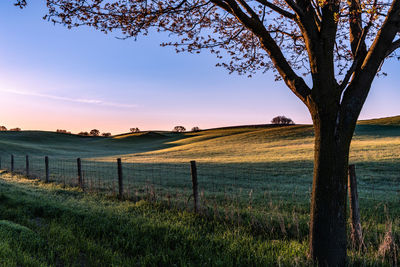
(254, 184)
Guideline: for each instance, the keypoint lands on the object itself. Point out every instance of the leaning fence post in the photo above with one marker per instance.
(120, 179)
(12, 163)
(46, 162)
(356, 230)
(79, 163)
(193, 171)
(27, 165)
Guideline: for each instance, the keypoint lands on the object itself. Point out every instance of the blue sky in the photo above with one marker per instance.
(54, 78)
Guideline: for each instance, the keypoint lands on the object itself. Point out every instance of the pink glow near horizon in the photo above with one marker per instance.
(53, 78)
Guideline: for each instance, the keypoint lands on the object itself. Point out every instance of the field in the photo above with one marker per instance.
(254, 184)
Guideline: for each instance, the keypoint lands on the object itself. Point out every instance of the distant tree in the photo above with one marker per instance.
(179, 129)
(3, 128)
(63, 131)
(195, 129)
(94, 132)
(106, 134)
(282, 120)
(134, 130)
(15, 129)
(83, 133)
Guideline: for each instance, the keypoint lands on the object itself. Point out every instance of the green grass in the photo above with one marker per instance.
(67, 228)
(46, 225)
(254, 186)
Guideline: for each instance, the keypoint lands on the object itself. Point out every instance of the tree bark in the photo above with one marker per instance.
(328, 204)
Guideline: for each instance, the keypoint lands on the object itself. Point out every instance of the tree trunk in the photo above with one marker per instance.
(328, 204)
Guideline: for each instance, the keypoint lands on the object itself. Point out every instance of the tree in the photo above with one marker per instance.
(3, 128)
(63, 131)
(94, 132)
(83, 134)
(341, 45)
(195, 129)
(106, 134)
(17, 129)
(282, 120)
(179, 129)
(134, 130)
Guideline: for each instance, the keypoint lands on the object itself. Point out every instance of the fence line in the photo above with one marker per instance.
(193, 186)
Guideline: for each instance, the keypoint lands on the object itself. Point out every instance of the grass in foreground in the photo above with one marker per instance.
(46, 225)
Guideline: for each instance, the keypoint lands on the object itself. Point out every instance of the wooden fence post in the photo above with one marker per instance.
(356, 230)
(27, 165)
(79, 163)
(120, 179)
(193, 171)
(12, 163)
(46, 162)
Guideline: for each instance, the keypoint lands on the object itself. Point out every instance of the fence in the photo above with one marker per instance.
(193, 186)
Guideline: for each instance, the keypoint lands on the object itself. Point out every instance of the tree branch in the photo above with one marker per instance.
(359, 55)
(355, 25)
(277, 9)
(248, 9)
(293, 81)
(293, 5)
(383, 42)
(358, 89)
(395, 45)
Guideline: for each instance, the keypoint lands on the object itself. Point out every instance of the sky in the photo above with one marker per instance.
(80, 79)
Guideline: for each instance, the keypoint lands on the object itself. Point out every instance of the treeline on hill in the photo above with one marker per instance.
(278, 120)
(4, 128)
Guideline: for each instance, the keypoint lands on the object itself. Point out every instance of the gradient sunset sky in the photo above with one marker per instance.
(54, 78)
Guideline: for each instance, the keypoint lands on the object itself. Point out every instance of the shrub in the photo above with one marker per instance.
(106, 134)
(195, 129)
(134, 130)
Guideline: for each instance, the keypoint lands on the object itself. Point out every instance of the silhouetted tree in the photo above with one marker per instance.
(134, 130)
(63, 131)
(282, 120)
(3, 128)
(106, 134)
(195, 129)
(15, 129)
(179, 129)
(83, 133)
(340, 45)
(94, 132)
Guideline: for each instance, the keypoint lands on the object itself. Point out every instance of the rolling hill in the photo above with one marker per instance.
(378, 138)
(394, 121)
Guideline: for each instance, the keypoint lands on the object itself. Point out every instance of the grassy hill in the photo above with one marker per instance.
(67, 145)
(254, 184)
(395, 121)
(256, 143)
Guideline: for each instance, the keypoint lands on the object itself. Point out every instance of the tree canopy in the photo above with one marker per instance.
(250, 31)
(282, 120)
